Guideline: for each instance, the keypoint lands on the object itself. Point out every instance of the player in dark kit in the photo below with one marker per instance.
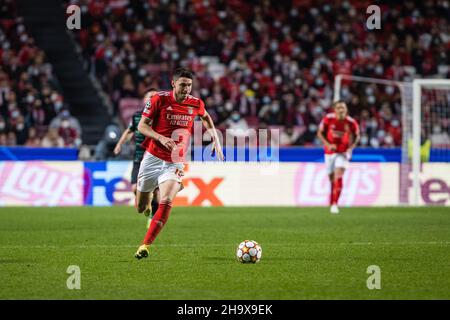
(167, 122)
(127, 135)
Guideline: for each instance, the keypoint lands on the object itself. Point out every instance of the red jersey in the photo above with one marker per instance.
(338, 131)
(172, 120)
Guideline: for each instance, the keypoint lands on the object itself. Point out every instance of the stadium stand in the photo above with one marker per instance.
(250, 57)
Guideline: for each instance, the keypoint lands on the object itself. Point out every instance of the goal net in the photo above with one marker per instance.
(413, 116)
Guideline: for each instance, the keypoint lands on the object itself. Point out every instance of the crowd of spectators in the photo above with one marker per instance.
(276, 60)
(32, 108)
(258, 63)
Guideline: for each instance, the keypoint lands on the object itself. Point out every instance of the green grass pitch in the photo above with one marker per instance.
(307, 253)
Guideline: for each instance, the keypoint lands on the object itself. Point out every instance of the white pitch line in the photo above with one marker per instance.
(438, 243)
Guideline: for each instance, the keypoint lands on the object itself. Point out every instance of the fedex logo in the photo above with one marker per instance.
(205, 191)
(108, 183)
(104, 181)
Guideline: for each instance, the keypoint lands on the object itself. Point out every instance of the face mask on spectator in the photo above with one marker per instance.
(2, 125)
(437, 130)
(235, 117)
(15, 114)
(379, 70)
(318, 50)
(30, 98)
(266, 100)
(341, 55)
(326, 8)
(395, 123)
(298, 82)
(228, 106)
(388, 139)
(278, 80)
(381, 134)
(65, 124)
(312, 128)
(314, 12)
(23, 38)
(302, 109)
(390, 90)
(6, 45)
(317, 111)
(84, 9)
(100, 37)
(139, 27)
(142, 72)
(274, 45)
(345, 92)
(274, 108)
(371, 99)
(20, 126)
(364, 140)
(374, 143)
(255, 86)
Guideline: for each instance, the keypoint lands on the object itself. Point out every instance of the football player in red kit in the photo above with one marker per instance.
(167, 122)
(340, 134)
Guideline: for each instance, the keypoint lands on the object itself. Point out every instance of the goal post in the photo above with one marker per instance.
(440, 91)
(435, 95)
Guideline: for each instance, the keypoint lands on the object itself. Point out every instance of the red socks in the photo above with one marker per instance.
(332, 193)
(336, 190)
(158, 221)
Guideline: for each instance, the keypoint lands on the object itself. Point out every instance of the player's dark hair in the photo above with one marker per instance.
(182, 73)
(147, 90)
(337, 102)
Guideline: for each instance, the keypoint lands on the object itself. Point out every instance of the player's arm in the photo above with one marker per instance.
(125, 137)
(321, 136)
(209, 125)
(145, 127)
(355, 138)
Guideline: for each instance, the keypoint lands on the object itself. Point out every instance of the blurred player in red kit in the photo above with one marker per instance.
(166, 123)
(340, 134)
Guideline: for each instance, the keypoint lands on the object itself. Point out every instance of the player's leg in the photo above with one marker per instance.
(339, 170)
(142, 202)
(168, 190)
(147, 180)
(134, 176)
(169, 183)
(329, 164)
(338, 183)
(331, 178)
(155, 201)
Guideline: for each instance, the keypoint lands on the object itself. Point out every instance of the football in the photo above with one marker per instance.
(249, 251)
